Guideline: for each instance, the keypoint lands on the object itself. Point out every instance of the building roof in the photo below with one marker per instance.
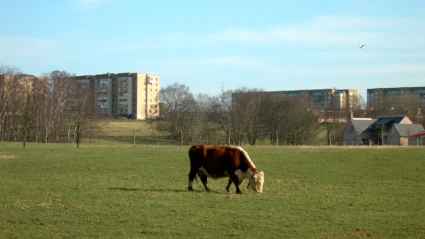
(407, 129)
(389, 120)
(421, 133)
(361, 124)
(386, 121)
(369, 125)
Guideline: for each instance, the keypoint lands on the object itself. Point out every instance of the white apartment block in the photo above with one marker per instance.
(132, 95)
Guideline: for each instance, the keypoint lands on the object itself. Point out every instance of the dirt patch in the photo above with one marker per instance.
(7, 156)
(356, 234)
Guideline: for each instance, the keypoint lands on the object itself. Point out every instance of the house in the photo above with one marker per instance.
(417, 139)
(384, 124)
(399, 134)
(354, 132)
(383, 130)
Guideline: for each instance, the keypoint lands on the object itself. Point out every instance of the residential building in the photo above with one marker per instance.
(335, 99)
(131, 95)
(24, 80)
(417, 139)
(384, 130)
(326, 99)
(355, 132)
(381, 97)
(400, 133)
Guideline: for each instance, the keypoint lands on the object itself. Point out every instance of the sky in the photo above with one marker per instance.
(210, 46)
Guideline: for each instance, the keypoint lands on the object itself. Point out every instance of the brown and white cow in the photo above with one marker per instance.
(224, 161)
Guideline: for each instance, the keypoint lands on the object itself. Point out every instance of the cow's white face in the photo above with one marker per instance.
(257, 181)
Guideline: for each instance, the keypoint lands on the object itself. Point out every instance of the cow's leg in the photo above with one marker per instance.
(228, 185)
(205, 182)
(192, 175)
(235, 180)
(203, 174)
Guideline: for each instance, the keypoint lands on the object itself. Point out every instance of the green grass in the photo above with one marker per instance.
(118, 191)
(123, 127)
(126, 132)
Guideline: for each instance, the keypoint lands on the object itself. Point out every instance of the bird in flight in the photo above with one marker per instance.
(361, 45)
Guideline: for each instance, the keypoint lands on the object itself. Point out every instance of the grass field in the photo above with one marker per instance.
(123, 127)
(121, 191)
(127, 132)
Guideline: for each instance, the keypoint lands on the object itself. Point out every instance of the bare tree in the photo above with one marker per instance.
(14, 108)
(25, 109)
(298, 125)
(222, 113)
(81, 106)
(9, 102)
(58, 104)
(257, 115)
(274, 106)
(409, 104)
(37, 99)
(335, 116)
(248, 117)
(361, 103)
(178, 111)
(406, 104)
(207, 128)
(382, 105)
(33, 107)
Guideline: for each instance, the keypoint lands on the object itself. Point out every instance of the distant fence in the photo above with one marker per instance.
(138, 138)
(59, 138)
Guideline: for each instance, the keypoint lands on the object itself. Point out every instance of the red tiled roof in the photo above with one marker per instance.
(422, 133)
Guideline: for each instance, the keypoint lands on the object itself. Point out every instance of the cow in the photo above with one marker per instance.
(224, 161)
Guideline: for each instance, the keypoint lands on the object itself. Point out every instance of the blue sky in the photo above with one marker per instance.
(207, 45)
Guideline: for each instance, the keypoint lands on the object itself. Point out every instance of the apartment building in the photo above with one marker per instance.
(132, 95)
(22, 80)
(335, 99)
(379, 97)
(328, 99)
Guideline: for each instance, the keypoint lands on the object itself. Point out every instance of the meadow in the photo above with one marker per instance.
(126, 191)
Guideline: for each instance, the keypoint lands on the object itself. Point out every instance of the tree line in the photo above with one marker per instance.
(51, 108)
(252, 116)
(57, 108)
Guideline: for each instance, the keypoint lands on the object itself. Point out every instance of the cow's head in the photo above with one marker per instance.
(256, 181)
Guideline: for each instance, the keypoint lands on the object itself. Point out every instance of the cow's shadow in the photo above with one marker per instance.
(148, 190)
(165, 190)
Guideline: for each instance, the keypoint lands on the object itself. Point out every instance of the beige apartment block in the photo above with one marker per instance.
(336, 99)
(131, 95)
(19, 82)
